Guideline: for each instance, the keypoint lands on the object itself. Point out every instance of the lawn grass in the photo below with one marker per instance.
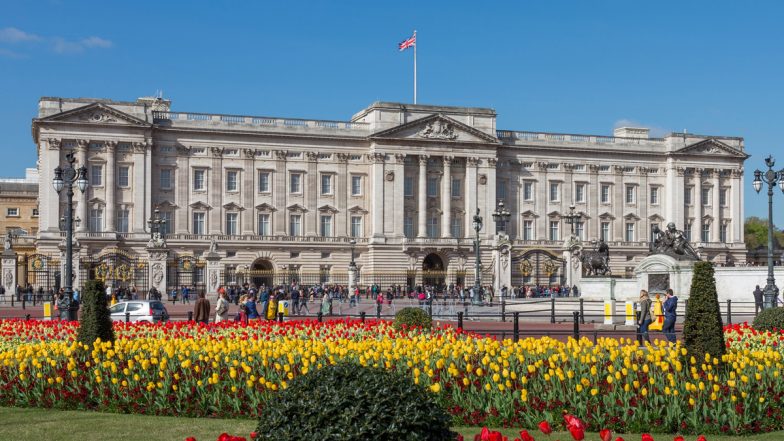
(58, 425)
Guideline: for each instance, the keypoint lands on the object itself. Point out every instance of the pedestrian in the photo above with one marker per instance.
(379, 304)
(326, 305)
(250, 308)
(201, 309)
(645, 315)
(670, 315)
(757, 300)
(265, 297)
(295, 301)
(173, 295)
(222, 308)
(186, 295)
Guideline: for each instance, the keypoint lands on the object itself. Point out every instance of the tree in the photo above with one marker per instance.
(755, 234)
(703, 330)
(96, 321)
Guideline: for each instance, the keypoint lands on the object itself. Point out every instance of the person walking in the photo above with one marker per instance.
(250, 308)
(670, 315)
(186, 295)
(757, 300)
(645, 316)
(201, 309)
(295, 301)
(222, 308)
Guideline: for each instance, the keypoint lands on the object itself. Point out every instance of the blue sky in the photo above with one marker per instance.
(710, 67)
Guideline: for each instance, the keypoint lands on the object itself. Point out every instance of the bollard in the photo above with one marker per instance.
(24, 300)
(515, 326)
(582, 312)
(639, 334)
(27, 317)
(576, 331)
(552, 310)
(280, 317)
(460, 320)
(320, 317)
(595, 333)
(378, 313)
(127, 317)
(503, 310)
(729, 311)
(362, 316)
(630, 307)
(190, 316)
(609, 311)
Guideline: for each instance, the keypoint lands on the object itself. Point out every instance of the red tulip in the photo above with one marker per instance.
(701, 438)
(544, 426)
(224, 437)
(254, 435)
(525, 436)
(190, 438)
(577, 433)
(678, 438)
(619, 439)
(605, 435)
(459, 437)
(646, 437)
(573, 421)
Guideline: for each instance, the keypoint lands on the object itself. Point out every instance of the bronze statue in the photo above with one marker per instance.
(673, 243)
(595, 262)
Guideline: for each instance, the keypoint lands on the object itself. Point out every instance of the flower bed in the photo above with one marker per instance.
(228, 370)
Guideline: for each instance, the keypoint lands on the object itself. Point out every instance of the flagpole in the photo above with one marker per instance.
(415, 72)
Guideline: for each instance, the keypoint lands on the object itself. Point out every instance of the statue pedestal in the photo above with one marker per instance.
(503, 267)
(9, 272)
(213, 274)
(597, 288)
(156, 269)
(658, 272)
(352, 278)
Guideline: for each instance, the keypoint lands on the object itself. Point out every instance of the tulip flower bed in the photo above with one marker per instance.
(228, 370)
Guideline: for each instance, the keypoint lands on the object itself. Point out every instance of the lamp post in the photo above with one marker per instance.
(353, 243)
(352, 269)
(572, 218)
(501, 216)
(478, 261)
(155, 223)
(770, 177)
(65, 178)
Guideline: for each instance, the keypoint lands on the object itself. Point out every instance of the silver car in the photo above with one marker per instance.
(150, 311)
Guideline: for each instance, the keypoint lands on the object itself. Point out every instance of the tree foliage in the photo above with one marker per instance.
(703, 329)
(771, 319)
(96, 322)
(755, 234)
(412, 317)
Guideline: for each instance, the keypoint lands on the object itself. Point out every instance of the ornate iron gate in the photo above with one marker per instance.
(117, 269)
(186, 271)
(43, 271)
(538, 267)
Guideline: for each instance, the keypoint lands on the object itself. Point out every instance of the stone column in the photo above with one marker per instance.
(49, 200)
(567, 198)
(593, 193)
(182, 191)
(422, 197)
(377, 190)
(446, 198)
(644, 233)
(491, 200)
(618, 200)
(470, 196)
(215, 191)
(736, 233)
(398, 214)
(542, 196)
(9, 271)
(213, 274)
(279, 194)
(696, 228)
(311, 191)
(247, 190)
(342, 217)
(716, 227)
(156, 268)
(110, 185)
(141, 174)
(81, 198)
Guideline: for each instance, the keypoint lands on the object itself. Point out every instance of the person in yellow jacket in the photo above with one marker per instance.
(658, 315)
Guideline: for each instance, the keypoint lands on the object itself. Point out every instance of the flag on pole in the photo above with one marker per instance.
(411, 42)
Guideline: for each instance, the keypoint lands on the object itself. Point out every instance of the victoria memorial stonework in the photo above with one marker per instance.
(283, 199)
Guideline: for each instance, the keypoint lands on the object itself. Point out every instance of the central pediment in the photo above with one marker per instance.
(96, 113)
(436, 128)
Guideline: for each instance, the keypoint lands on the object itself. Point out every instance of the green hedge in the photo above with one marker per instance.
(412, 317)
(703, 332)
(769, 319)
(96, 322)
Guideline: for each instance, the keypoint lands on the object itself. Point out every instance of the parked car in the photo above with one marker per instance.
(150, 311)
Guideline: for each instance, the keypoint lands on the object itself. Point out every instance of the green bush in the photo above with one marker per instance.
(347, 401)
(703, 329)
(412, 317)
(96, 322)
(769, 319)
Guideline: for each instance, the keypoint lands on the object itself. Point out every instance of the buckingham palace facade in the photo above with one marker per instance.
(396, 186)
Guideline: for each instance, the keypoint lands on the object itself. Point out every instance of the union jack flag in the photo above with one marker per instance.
(407, 43)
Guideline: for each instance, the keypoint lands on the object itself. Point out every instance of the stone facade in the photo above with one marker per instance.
(282, 194)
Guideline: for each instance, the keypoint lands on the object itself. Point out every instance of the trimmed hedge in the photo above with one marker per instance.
(412, 317)
(96, 322)
(769, 319)
(703, 331)
(347, 401)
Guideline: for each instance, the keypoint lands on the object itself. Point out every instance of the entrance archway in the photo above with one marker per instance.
(261, 273)
(433, 270)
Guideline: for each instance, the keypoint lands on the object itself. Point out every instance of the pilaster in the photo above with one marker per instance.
(110, 185)
(279, 194)
(422, 197)
(247, 190)
(81, 198)
(215, 192)
(311, 191)
(182, 191)
(446, 198)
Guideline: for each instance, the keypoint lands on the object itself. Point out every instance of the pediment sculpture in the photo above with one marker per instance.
(438, 129)
(672, 242)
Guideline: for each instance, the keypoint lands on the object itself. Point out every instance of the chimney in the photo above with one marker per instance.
(631, 132)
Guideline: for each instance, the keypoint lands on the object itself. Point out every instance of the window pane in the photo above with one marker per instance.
(605, 194)
(198, 223)
(554, 230)
(122, 177)
(723, 198)
(231, 180)
(326, 184)
(605, 231)
(408, 187)
(629, 232)
(356, 185)
(553, 191)
(264, 181)
(408, 226)
(294, 225)
(432, 187)
(629, 194)
(264, 227)
(356, 226)
(579, 193)
(96, 175)
(528, 230)
(231, 223)
(122, 221)
(166, 227)
(198, 179)
(528, 191)
(654, 195)
(166, 178)
(96, 220)
(456, 190)
(432, 226)
(457, 227)
(500, 190)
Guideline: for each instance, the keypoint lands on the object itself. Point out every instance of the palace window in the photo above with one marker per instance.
(199, 181)
(264, 224)
(123, 179)
(528, 230)
(605, 233)
(295, 225)
(654, 226)
(356, 185)
(654, 195)
(456, 188)
(12, 212)
(706, 196)
(605, 193)
(96, 175)
(687, 195)
(356, 226)
(168, 226)
(554, 230)
(528, 191)
(166, 179)
(326, 184)
(554, 192)
(579, 193)
(629, 232)
(723, 233)
(630, 194)
(231, 224)
(122, 221)
(579, 228)
(687, 230)
(432, 226)
(264, 182)
(705, 237)
(326, 226)
(199, 218)
(723, 197)
(96, 220)
(408, 187)
(432, 187)
(500, 190)
(295, 183)
(232, 183)
(408, 226)
(457, 226)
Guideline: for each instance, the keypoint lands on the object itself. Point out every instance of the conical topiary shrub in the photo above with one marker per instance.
(703, 329)
(96, 321)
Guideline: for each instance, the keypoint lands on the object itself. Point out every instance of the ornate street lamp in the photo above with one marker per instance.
(478, 261)
(352, 264)
(572, 218)
(501, 216)
(66, 178)
(770, 177)
(155, 224)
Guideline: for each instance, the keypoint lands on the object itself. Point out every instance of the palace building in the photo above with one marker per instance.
(396, 186)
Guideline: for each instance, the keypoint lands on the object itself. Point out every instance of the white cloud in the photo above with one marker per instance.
(63, 46)
(9, 53)
(14, 35)
(656, 131)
